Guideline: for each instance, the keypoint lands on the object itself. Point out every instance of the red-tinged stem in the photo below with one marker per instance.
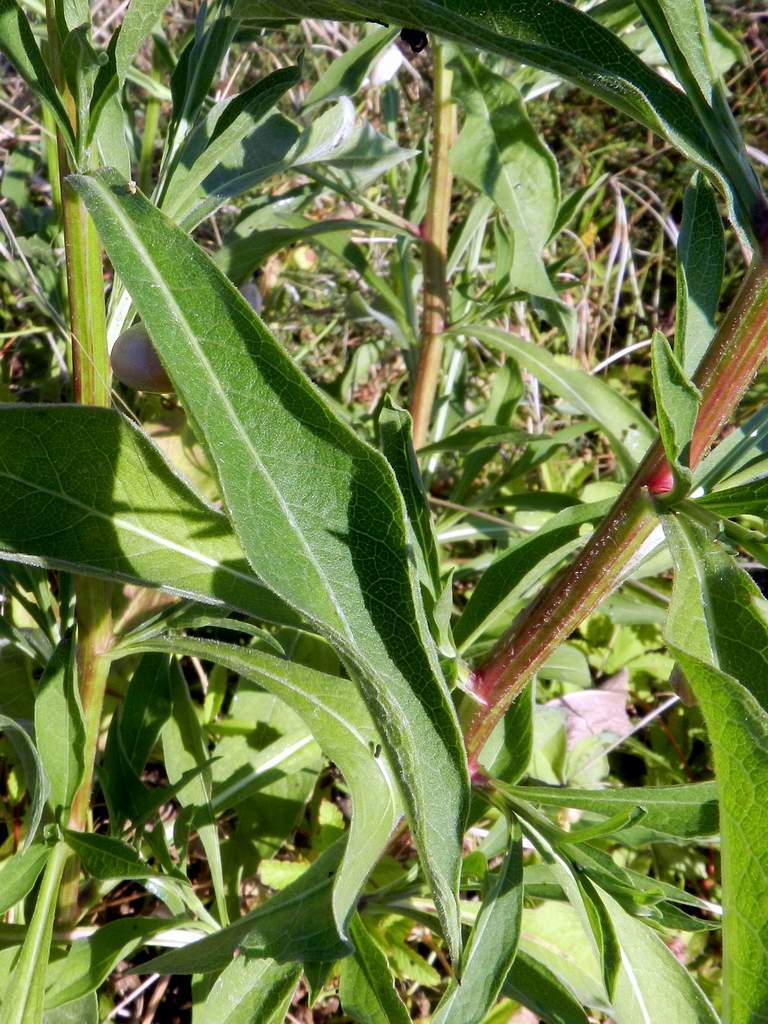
(733, 358)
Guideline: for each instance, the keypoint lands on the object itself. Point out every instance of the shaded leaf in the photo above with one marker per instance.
(249, 991)
(366, 986)
(677, 408)
(59, 725)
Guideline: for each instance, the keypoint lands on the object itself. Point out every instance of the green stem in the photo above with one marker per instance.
(91, 377)
(434, 253)
(23, 999)
(726, 371)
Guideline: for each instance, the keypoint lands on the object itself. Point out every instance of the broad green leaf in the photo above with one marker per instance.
(677, 407)
(492, 944)
(249, 991)
(366, 986)
(105, 857)
(91, 960)
(271, 930)
(549, 34)
(59, 726)
(185, 749)
(87, 491)
(317, 510)
(18, 44)
(521, 566)
(717, 630)
(499, 152)
(342, 726)
(34, 774)
(652, 985)
(346, 73)
(749, 499)
(538, 988)
(19, 873)
(700, 259)
(688, 811)
(629, 431)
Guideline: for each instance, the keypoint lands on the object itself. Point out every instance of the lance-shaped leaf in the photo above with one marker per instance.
(84, 490)
(749, 499)
(18, 44)
(34, 773)
(342, 725)
(347, 73)
(492, 944)
(318, 511)
(500, 153)
(629, 431)
(250, 991)
(549, 34)
(700, 257)
(366, 986)
(677, 406)
(59, 725)
(718, 631)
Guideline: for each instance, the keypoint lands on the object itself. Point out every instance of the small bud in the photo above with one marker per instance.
(136, 363)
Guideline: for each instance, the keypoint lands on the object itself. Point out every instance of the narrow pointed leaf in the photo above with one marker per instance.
(549, 34)
(249, 991)
(34, 774)
(629, 431)
(749, 499)
(19, 873)
(718, 631)
(677, 407)
(342, 726)
(318, 512)
(270, 930)
(366, 986)
(87, 491)
(59, 725)
(536, 987)
(347, 72)
(700, 259)
(492, 945)
(18, 44)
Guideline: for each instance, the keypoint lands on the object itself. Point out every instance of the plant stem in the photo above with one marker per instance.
(738, 348)
(435, 252)
(91, 377)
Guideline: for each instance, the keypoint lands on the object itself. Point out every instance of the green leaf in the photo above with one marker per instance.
(19, 873)
(346, 73)
(492, 944)
(318, 511)
(140, 18)
(717, 630)
(549, 34)
(507, 753)
(521, 566)
(59, 726)
(536, 987)
(105, 858)
(145, 709)
(652, 984)
(395, 432)
(185, 749)
(23, 996)
(677, 407)
(225, 144)
(270, 930)
(91, 960)
(249, 991)
(366, 986)
(630, 432)
(499, 152)
(342, 726)
(34, 774)
(746, 499)
(18, 44)
(688, 811)
(116, 509)
(700, 260)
